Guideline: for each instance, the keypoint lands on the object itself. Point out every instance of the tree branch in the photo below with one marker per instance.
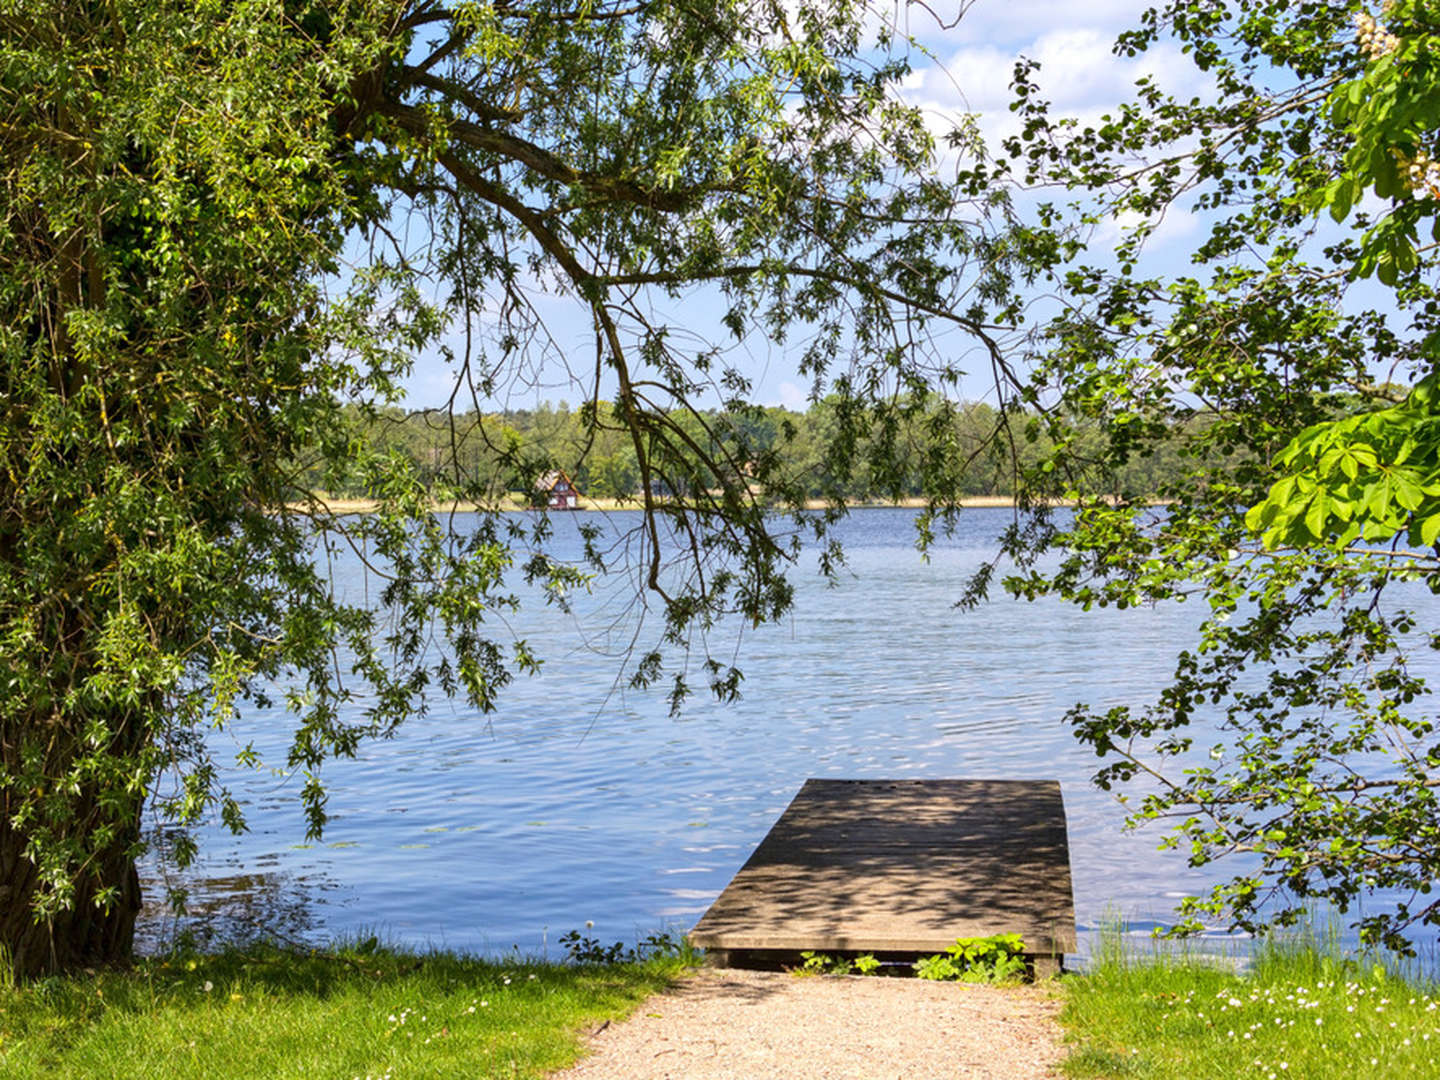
(542, 162)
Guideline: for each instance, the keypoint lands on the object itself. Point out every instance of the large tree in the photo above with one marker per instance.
(1295, 357)
(226, 222)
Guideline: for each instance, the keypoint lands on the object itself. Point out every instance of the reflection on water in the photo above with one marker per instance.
(580, 801)
(263, 904)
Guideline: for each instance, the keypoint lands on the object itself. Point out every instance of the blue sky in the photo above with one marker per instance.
(968, 70)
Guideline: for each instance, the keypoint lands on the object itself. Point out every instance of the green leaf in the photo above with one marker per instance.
(1317, 514)
(1430, 528)
(1407, 492)
(1385, 269)
(1259, 516)
(1342, 195)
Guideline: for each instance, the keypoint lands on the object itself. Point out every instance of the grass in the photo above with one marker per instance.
(261, 1011)
(1301, 1010)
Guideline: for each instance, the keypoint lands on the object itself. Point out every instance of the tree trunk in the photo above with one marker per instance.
(85, 936)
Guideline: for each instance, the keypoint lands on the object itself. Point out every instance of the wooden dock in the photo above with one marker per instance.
(901, 867)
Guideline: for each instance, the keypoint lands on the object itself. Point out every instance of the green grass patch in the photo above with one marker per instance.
(1300, 1010)
(261, 1011)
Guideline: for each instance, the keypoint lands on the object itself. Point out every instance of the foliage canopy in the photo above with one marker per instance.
(1305, 335)
(226, 221)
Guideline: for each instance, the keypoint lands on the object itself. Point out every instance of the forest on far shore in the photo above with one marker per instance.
(507, 451)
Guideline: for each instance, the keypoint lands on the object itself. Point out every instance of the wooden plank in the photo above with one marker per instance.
(903, 866)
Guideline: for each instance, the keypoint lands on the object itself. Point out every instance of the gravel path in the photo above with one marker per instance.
(732, 1024)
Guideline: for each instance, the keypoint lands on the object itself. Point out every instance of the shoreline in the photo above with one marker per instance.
(600, 505)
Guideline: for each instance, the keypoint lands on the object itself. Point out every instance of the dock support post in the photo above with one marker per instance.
(1046, 967)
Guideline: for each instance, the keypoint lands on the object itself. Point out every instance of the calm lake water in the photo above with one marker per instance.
(579, 801)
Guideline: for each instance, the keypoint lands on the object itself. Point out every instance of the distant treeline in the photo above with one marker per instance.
(506, 452)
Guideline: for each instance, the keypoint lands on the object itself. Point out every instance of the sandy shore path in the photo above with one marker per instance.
(747, 1025)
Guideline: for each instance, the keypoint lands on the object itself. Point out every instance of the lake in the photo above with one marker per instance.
(580, 802)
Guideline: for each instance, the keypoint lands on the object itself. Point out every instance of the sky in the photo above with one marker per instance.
(967, 70)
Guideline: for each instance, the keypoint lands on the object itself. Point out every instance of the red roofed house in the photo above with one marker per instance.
(561, 490)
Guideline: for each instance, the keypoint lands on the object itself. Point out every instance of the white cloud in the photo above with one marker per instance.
(1173, 226)
(1006, 23)
(793, 396)
(1078, 75)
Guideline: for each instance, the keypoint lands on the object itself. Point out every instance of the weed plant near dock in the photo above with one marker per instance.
(1299, 1011)
(267, 1012)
